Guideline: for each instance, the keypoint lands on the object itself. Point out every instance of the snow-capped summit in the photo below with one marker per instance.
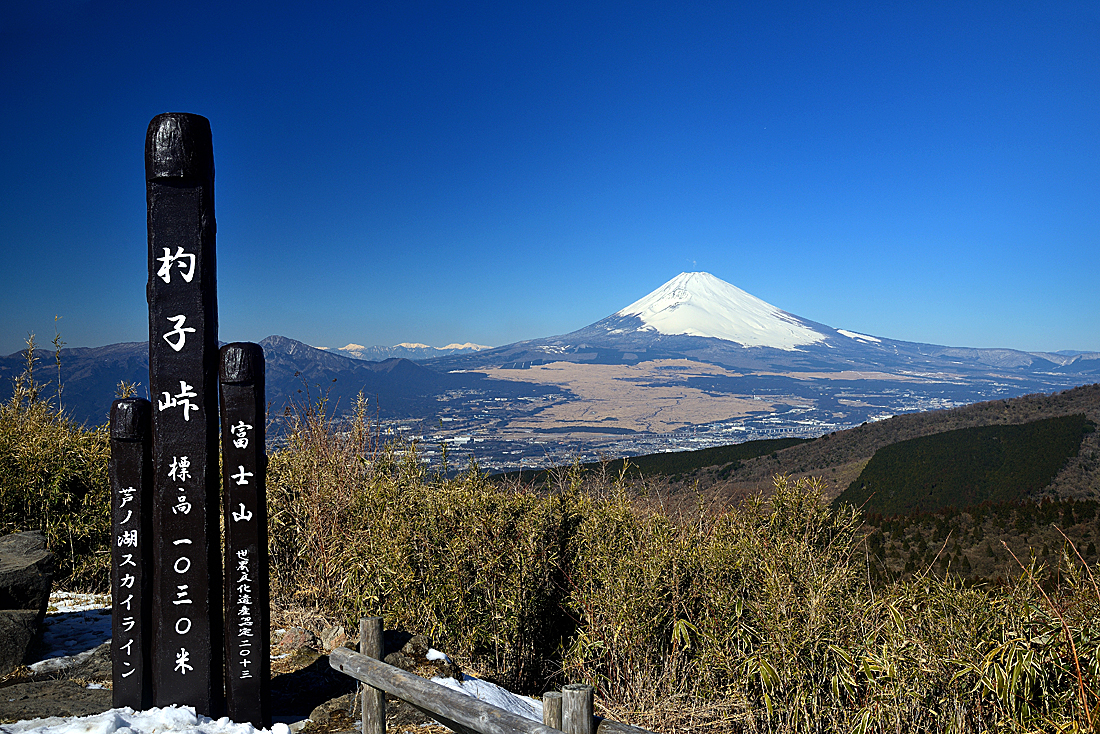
(699, 304)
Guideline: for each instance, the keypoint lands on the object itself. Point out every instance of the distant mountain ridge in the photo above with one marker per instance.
(770, 363)
(295, 372)
(405, 350)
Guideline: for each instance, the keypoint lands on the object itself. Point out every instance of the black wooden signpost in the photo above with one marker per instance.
(131, 498)
(183, 367)
(247, 647)
(168, 643)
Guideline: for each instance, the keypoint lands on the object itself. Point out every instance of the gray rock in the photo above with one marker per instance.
(337, 714)
(27, 569)
(17, 628)
(333, 637)
(97, 667)
(36, 700)
(412, 658)
(343, 714)
(296, 638)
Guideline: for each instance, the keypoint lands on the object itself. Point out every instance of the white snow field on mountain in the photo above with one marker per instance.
(699, 304)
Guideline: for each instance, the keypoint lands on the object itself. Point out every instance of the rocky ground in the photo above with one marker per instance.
(305, 691)
(55, 658)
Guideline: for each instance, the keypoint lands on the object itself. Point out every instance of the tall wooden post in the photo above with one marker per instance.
(183, 378)
(131, 473)
(247, 643)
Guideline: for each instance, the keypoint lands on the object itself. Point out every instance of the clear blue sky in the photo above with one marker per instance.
(491, 172)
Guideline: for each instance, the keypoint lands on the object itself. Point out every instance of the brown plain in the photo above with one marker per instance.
(623, 395)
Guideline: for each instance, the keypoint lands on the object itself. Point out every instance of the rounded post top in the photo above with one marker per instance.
(131, 419)
(178, 145)
(241, 362)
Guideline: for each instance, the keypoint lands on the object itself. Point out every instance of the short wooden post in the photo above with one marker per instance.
(247, 649)
(371, 644)
(551, 709)
(576, 709)
(131, 472)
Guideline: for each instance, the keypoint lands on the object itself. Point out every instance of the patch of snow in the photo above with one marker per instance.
(63, 662)
(75, 624)
(857, 336)
(128, 721)
(434, 654)
(699, 304)
(467, 345)
(69, 601)
(494, 695)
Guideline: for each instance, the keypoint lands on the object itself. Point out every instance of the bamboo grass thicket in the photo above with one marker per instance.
(763, 617)
(53, 478)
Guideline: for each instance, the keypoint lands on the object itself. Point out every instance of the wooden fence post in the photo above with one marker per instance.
(551, 709)
(576, 709)
(372, 644)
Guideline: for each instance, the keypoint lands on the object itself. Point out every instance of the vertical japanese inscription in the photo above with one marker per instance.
(247, 648)
(183, 365)
(131, 497)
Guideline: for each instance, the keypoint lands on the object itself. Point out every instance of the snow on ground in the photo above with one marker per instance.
(128, 721)
(857, 336)
(494, 695)
(78, 623)
(75, 625)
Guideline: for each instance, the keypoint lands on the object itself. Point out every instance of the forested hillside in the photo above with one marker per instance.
(839, 458)
(967, 466)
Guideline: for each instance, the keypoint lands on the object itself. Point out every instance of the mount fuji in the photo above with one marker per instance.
(699, 304)
(699, 317)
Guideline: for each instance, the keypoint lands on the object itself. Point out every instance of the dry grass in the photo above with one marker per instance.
(763, 619)
(627, 396)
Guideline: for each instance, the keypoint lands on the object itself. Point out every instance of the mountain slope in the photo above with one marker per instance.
(700, 317)
(967, 466)
(840, 457)
(699, 304)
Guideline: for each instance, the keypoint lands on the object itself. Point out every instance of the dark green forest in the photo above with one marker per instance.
(967, 466)
(673, 464)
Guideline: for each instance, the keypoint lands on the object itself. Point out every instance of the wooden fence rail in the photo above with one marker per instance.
(458, 711)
